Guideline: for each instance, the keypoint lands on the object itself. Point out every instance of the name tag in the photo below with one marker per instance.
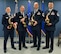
(7, 17)
(20, 16)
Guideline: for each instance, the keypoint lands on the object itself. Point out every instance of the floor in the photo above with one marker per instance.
(57, 50)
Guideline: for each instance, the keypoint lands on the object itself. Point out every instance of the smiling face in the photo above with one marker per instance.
(50, 5)
(22, 8)
(8, 10)
(36, 5)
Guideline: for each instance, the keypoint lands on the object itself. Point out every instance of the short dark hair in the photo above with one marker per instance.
(7, 6)
(50, 2)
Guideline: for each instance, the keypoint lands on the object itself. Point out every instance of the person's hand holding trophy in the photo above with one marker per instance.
(47, 20)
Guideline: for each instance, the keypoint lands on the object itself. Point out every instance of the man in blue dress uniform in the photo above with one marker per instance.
(22, 20)
(8, 30)
(37, 17)
(51, 18)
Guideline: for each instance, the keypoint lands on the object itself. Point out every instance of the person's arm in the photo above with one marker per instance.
(56, 19)
(26, 19)
(4, 21)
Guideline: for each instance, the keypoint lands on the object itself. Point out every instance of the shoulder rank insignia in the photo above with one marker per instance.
(57, 14)
(43, 15)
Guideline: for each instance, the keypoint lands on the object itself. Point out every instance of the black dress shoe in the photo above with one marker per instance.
(19, 48)
(38, 48)
(5, 51)
(50, 51)
(33, 46)
(45, 47)
(14, 48)
(25, 47)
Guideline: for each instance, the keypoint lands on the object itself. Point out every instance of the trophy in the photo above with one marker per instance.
(24, 23)
(47, 20)
(32, 20)
(9, 21)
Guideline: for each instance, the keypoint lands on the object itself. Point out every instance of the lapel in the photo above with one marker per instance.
(21, 14)
(7, 15)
